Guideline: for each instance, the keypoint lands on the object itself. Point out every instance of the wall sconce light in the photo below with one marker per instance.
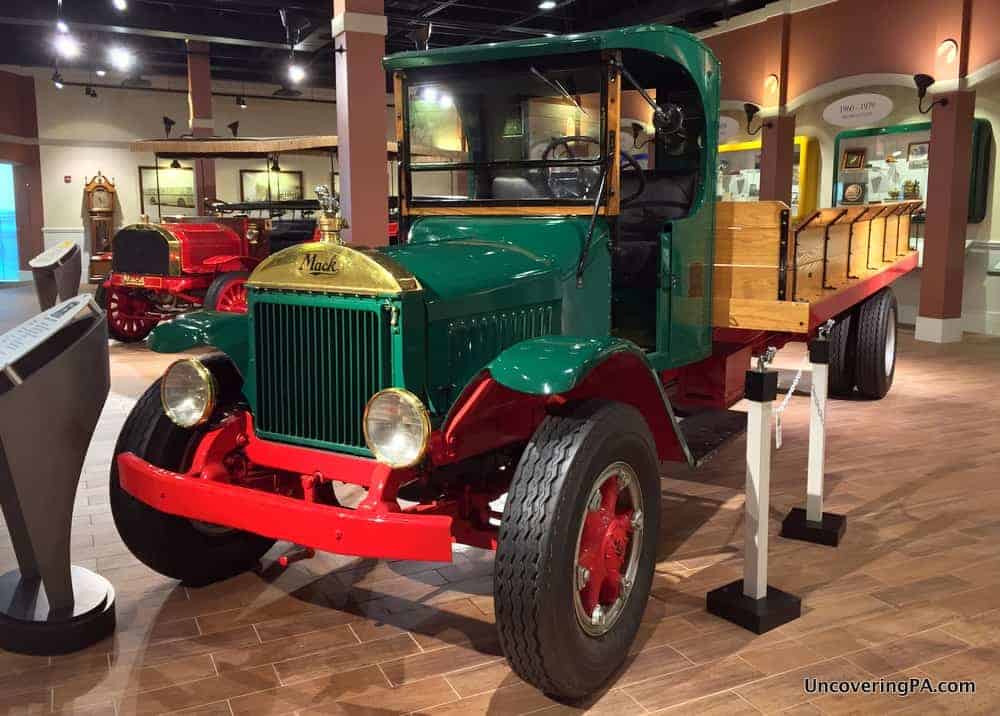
(90, 92)
(168, 125)
(752, 110)
(771, 83)
(948, 51)
(234, 127)
(275, 167)
(923, 82)
(241, 102)
(175, 164)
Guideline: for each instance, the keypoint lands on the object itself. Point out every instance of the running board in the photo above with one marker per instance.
(708, 432)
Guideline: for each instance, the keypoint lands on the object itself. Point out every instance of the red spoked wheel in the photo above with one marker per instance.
(228, 293)
(608, 548)
(129, 319)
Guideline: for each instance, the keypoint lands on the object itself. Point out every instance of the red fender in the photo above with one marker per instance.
(489, 415)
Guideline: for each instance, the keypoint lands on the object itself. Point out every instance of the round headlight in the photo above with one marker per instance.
(188, 391)
(397, 427)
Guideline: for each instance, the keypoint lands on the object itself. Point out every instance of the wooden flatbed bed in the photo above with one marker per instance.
(769, 276)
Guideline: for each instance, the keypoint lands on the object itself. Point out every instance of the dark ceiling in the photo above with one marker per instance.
(249, 42)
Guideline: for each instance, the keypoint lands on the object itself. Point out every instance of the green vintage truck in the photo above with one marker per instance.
(508, 377)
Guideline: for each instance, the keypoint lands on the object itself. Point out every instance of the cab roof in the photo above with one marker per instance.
(667, 42)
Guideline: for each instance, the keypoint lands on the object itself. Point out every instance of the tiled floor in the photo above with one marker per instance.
(911, 592)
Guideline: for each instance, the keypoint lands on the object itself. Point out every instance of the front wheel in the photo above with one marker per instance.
(129, 319)
(193, 552)
(577, 548)
(228, 292)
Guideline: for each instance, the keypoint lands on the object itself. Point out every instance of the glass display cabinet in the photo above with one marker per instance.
(739, 174)
(892, 164)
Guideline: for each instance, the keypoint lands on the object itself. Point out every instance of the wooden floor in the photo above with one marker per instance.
(913, 590)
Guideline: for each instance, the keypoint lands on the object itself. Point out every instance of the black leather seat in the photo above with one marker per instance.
(665, 197)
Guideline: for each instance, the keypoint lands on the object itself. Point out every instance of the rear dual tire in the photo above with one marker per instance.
(863, 348)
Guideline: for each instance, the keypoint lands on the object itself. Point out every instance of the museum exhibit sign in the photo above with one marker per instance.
(57, 272)
(54, 379)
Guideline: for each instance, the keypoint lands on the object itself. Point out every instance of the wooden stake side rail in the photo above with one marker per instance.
(769, 276)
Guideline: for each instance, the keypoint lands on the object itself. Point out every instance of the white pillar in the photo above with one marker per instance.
(817, 442)
(758, 488)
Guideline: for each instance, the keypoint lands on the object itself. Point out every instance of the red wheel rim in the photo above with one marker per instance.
(128, 314)
(608, 548)
(233, 297)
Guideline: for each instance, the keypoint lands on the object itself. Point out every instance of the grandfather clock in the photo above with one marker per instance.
(100, 197)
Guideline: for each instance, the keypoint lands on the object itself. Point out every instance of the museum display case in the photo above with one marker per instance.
(885, 164)
(739, 174)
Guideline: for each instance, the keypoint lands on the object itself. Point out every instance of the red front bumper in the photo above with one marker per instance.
(377, 528)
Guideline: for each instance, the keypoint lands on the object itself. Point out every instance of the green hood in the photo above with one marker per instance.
(491, 282)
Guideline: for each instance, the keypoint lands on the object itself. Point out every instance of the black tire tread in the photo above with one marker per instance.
(165, 543)
(869, 365)
(516, 572)
(843, 346)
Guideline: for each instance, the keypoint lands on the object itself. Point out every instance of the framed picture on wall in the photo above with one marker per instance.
(285, 185)
(166, 188)
(853, 159)
(917, 153)
(854, 193)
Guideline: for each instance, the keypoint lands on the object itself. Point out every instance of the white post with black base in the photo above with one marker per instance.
(812, 524)
(751, 602)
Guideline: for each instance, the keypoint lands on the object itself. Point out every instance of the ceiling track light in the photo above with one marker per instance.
(67, 46)
(168, 125)
(234, 127)
(241, 101)
(121, 58)
(61, 26)
(57, 79)
(120, 5)
(547, 5)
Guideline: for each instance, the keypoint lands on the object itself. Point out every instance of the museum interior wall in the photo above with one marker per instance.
(880, 61)
(77, 136)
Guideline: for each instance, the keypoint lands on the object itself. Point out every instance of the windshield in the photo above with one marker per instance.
(525, 132)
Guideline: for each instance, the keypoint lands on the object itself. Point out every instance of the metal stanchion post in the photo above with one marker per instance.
(750, 602)
(812, 524)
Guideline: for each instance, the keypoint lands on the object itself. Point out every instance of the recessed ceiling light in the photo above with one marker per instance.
(121, 58)
(547, 5)
(296, 73)
(62, 26)
(120, 5)
(67, 46)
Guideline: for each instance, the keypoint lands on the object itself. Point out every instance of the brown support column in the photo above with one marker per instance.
(359, 29)
(940, 319)
(777, 159)
(19, 146)
(200, 117)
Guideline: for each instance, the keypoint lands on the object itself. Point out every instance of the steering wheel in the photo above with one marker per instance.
(586, 177)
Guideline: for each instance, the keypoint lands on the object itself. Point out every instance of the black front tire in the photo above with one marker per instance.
(174, 546)
(534, 584)
(875, 363)
(843, 347)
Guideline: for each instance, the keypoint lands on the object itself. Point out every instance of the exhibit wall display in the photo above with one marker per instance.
(269, 185)
(164, 190)
(739, 174)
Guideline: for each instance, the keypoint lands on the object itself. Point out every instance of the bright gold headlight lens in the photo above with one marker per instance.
(188, 392)
(397, 427)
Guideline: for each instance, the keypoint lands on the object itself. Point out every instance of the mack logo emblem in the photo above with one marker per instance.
(315, 265)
